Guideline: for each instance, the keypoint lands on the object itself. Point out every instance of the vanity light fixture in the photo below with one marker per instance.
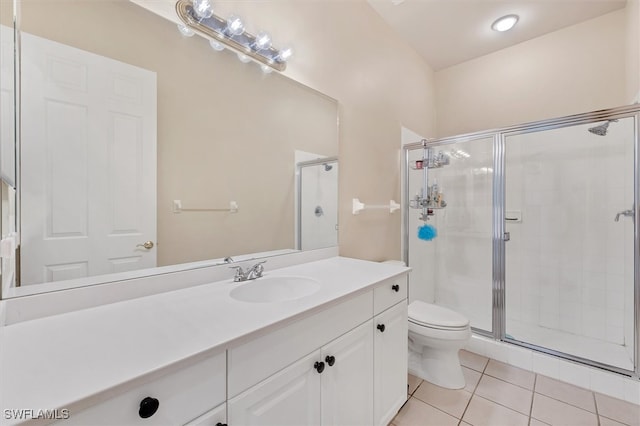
(198, 17)
(243, 58)
(216, 45)
(505, 23)
(185, 31)
(203, 8)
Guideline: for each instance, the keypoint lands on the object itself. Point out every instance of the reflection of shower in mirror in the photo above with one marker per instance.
(602, 129)
(317, 201)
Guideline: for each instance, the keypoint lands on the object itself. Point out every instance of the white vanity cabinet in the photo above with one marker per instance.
(347, 380)
(390, 363)
(173, 399)
(390, 349)
(215, 417)
(354, 371)
(331, 386)
(338, 359)
(290, 397)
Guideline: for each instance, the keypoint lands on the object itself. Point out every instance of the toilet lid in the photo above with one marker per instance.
(433, 315)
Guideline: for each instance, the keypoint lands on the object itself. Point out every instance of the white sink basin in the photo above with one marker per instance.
(275, 289)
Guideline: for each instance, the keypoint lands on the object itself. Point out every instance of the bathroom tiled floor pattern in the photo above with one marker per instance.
(500, 395)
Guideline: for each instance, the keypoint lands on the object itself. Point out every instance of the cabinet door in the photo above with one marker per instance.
(347, 385)
(288, 398)
(215, 417)
(390, 362)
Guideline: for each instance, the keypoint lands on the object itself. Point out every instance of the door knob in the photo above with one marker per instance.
(381, 327)
(330, 360)
(319, 366)
(147, 244)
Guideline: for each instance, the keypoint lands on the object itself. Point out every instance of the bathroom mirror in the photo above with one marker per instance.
(143, 148)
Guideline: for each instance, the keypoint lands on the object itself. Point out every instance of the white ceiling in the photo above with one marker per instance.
(448, 32)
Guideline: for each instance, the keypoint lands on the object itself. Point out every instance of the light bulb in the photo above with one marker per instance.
(235, 26)
(284, 54)
(266, 69)
(216, 45)
(202, 8)
(243, 58)
(262, 42)
(185, 31)
(505, 23)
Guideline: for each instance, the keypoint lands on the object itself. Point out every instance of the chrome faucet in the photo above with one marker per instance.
(250, 274)
(630, 213)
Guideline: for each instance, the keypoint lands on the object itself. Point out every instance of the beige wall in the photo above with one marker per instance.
(344, 50)
(573, 70)
(633, 50)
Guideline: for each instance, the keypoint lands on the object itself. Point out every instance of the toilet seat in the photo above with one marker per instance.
(436, 317)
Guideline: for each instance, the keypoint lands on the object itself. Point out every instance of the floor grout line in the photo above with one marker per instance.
(595, 403)
(472, 393)
(533, 395)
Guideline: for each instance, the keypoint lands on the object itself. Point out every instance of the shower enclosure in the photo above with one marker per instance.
(317, 203)
(538, 244)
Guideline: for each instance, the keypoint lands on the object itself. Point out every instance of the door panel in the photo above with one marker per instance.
(570, 259)
(288, 398)
(89, 167)
(390, 363)
(347, 386)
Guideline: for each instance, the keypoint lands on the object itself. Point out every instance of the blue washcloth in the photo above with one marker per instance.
(427, 232)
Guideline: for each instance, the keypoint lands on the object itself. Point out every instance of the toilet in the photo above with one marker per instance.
(436, 334)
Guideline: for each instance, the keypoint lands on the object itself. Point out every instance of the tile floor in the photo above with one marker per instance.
(498, 394)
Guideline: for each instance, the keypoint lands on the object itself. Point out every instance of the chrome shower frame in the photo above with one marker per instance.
(499, 237)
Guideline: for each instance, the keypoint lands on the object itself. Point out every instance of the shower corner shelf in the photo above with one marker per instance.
(435, 166)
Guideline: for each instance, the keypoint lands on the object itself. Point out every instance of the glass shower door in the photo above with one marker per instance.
(454, 269)
(569, 263)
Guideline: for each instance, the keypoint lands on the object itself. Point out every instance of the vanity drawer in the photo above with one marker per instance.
(265, 355)
(389, 292)
(182, 396)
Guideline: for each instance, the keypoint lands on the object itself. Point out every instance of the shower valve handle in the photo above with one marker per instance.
(629, 213)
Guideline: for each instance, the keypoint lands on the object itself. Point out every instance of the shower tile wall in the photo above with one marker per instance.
(568, 261)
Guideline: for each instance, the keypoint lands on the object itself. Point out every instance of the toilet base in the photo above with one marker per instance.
(438, 366)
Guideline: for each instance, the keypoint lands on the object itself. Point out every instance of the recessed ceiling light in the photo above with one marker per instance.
(505, 23)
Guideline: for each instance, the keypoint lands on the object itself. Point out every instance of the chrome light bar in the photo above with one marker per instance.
(216, 28)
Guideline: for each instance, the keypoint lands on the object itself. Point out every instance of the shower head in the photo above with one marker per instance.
(601, 130)
(327, 167)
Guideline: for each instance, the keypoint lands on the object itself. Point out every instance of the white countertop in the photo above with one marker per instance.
(60, 361)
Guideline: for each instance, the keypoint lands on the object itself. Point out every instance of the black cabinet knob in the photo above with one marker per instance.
(381, 327)
(221, 424)
(330, 360)
(319, 366)
(395, 288)
(148, 407)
